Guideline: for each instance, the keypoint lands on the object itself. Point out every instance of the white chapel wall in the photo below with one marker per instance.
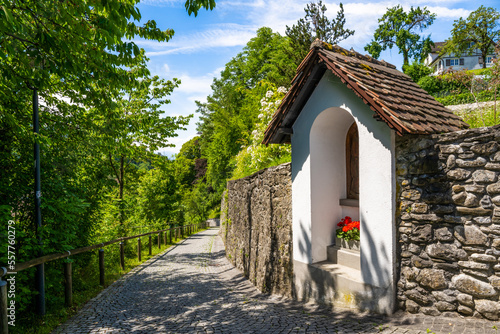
(330, 110)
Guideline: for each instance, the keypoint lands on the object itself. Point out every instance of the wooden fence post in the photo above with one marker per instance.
(122, 255)
(159, 240)
(182, 231)
(170, 234)
(165, 238)
(139, 249)
(68, 284)
(150, 249)
(4, 324)
(101, 267)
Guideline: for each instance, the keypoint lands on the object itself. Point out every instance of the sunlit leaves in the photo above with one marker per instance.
(401, 29)
(314, 25)
(193, 6)
(480, 31)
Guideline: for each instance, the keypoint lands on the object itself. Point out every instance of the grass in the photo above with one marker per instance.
(86, 285)
(474, 118)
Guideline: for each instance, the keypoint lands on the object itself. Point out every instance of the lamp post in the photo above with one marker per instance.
(40, 269)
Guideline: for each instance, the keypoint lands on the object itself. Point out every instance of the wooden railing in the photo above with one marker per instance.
(178, 231)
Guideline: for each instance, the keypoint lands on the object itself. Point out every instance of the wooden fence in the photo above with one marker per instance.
(178, 231)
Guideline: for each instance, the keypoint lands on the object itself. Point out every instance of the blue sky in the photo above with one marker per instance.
(202, 45)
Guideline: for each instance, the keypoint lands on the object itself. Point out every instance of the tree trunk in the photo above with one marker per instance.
(121, 177)
(120, 196)
(406, 61)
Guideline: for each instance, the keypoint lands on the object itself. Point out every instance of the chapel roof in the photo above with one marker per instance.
(392, 95)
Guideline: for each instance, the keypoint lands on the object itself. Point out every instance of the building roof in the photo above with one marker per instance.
(394, 98)
(438, 47)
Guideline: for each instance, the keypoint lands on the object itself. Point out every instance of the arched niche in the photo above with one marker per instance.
(328, 177)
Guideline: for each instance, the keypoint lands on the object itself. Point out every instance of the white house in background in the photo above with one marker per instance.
(441, 63)
(342, 116)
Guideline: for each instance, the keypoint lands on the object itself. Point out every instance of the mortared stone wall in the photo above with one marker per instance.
(256, 226)
(448, 190)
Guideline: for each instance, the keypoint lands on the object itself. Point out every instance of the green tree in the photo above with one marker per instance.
(134, 128)
(229, 115)
(185, 163)
(416, 71)
(193, 6)
(157, 195)
(480, 31)
(314, 25)
(257, 156)
(401, 29)
(94, 89)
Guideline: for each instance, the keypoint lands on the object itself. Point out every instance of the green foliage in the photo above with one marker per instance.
(449, 83)
(480, 116)
(256, 156)
(85, 283)
(314, 25)
(199, 202)
(401, 29)
(69, 49)
(99, 124)
(466, 87)
(416, 71)
(480, 31)
(431, 84)
(463, 98)
(229, 116)
(193, 6)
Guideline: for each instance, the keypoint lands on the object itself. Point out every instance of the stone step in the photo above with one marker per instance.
(344, 257)
(342, 284)
(338, 285)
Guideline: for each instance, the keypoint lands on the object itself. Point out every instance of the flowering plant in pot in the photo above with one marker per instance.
(348, 229)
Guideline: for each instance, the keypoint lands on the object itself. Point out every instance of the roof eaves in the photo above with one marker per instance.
(308, 76)
(384, 112)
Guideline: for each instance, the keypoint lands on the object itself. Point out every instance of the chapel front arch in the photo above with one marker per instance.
(330, 200)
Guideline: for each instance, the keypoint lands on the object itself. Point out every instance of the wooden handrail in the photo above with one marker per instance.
(68, 293)
(51, 257)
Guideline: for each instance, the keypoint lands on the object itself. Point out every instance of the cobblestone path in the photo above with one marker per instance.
(192, 288)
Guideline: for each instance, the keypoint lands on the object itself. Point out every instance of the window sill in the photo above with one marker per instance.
(349, 202)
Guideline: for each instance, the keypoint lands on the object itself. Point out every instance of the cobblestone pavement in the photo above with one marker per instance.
(192, 288)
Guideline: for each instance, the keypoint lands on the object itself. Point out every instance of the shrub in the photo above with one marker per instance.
(416, 71)
(431, 84)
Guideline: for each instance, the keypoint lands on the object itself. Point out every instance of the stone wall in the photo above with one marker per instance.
(256, 226)
(449, 223)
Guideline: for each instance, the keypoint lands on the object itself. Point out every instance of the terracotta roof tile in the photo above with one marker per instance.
(395, 99)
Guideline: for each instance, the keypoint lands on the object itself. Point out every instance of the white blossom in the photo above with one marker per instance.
(278, 102)
(282, 90)
(260, 116)
(269, 93)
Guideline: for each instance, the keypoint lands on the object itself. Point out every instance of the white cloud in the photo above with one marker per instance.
(448, 13)
(217, 36)
(163, 3)
(276, 14)
(236, 5)
(195, 85)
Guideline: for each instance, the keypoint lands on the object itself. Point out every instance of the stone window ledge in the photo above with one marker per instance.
(349, 202)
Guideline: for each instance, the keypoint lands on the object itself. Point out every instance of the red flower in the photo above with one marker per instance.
(349, 230)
